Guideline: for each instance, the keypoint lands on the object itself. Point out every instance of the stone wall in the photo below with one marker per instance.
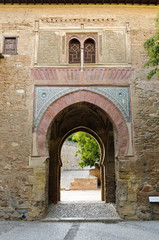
(137, 176)
(68, 155)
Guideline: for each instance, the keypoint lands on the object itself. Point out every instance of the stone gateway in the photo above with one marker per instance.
(67, 68)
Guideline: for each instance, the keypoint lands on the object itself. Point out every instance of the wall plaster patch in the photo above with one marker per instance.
(44, 96)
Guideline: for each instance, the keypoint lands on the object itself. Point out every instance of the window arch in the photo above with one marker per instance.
(89, 51)
(74, 51)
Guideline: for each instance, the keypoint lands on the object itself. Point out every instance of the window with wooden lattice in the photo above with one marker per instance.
(10, 45)
(89, 51)
(74, 51)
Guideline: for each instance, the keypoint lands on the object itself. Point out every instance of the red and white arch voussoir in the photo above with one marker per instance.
(111, 110)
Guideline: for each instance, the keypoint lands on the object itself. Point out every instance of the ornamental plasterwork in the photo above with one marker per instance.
(76, 20)
(82, 36)
(44, 96)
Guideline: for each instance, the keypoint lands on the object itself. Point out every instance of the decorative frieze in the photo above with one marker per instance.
(55, 75)
(55, 20)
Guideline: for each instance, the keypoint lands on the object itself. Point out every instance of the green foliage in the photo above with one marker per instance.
(152, 49)
(70, 138)
(88, 149)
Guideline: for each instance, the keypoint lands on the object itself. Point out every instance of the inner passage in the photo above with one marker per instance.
(80, 172)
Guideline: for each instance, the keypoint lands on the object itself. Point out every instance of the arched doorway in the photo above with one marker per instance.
(89, 118)
(83, 109)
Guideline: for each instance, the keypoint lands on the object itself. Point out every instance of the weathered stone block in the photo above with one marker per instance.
(84, 184)
(121, 191)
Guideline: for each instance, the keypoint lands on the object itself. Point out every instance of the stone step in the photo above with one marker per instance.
(103, 220)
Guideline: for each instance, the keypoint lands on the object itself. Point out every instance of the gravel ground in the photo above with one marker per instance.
(83, 210)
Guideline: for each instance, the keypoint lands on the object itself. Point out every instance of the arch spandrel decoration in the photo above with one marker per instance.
(44, 96)
(49, 101)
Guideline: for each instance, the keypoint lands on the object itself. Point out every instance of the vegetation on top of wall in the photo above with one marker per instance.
(152, 49)
(88, 149)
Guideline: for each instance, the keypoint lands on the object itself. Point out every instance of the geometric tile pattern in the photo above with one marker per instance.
(45, 95)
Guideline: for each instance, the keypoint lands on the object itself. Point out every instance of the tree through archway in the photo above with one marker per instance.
(80, 172)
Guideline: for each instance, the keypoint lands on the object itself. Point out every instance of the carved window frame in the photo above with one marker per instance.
(82, 37)
(15, 45)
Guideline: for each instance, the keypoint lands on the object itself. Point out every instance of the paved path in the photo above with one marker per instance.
(79, 231)
(81, 195)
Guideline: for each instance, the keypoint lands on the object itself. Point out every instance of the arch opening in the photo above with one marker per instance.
(74, 51)
(90, 118)
(89, 51)
(81, 158)
(89, 131)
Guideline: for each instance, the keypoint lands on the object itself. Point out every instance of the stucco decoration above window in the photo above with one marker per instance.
(105, 46)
